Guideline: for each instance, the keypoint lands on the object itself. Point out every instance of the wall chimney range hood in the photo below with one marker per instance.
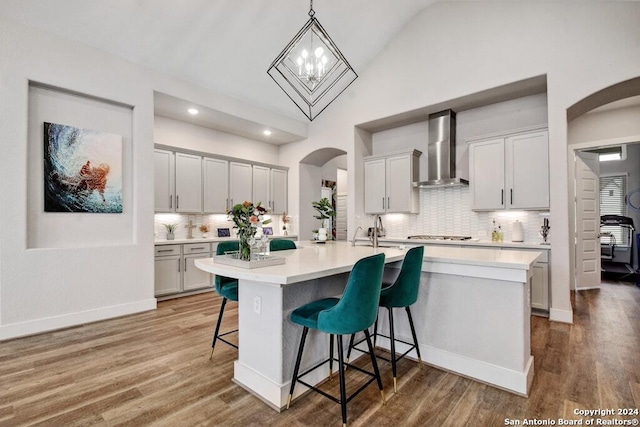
(441, 152)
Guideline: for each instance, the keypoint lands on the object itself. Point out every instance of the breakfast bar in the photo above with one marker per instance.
(472, 314)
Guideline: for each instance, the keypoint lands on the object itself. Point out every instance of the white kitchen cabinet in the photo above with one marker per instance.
(164, 181)
(388, 183)
(216, 185)
(261, 185)
(188, 183)
(486, 174)
(192, 277)
(527, 170)
(510, 172)
(175, 270)
(240, 183)
(270, 188)
(278, 181)
(375, 194)
(168, 269)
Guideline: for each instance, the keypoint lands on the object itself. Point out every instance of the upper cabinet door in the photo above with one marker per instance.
(375, 194)
(261, 186)
(399, 183)
(486, 173)
(527, 170)
(216, 185)
(163, 169)
(188, 183)
(240, 183)
(278, 191)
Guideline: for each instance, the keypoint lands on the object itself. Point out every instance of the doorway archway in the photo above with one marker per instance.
(597, 121)
(310, 187)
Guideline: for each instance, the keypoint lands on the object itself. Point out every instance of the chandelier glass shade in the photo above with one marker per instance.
(311, 70)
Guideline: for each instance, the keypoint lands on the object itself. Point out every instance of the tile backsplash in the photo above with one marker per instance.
(447, 211)
(214, 221)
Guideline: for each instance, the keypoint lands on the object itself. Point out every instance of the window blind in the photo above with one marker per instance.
(613, 191)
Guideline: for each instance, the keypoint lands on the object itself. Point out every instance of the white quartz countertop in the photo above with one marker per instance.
(213, 239)
(309, 261)
(312, 261)
(472, 242)
(502, 258)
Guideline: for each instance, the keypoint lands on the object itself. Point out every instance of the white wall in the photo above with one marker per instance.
(52, 287)
(453, 49)
(180, 134)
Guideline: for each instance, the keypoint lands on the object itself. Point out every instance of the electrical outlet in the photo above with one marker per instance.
(482, 233)
(257, 304)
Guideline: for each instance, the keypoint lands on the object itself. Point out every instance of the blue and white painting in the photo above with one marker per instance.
(82, 170)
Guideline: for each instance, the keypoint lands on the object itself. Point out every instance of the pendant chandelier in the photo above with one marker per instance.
(311, 70)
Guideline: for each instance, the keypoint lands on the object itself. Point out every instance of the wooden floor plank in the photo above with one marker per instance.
(153, 368)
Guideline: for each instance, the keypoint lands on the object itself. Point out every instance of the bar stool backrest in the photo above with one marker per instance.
(358, 307)
(281, 245)
(404, 291)
(224, 247)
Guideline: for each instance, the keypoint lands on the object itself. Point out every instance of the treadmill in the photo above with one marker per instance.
(617, 256)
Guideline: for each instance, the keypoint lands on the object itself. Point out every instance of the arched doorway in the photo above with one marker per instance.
(605, 119)
(316, 167)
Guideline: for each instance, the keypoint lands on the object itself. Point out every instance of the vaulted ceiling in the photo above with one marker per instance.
(222, 45)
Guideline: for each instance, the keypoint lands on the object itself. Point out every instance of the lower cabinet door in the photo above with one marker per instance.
(540, 286)
(167, 275)
(194, 278)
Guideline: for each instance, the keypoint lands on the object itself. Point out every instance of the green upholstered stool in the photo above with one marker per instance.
(281, 245)
(227, 288)
(355, 311)
(401, 294)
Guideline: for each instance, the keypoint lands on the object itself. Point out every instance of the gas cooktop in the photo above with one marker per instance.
(434, 237)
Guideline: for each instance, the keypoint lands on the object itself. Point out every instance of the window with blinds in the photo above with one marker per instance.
(613, 191)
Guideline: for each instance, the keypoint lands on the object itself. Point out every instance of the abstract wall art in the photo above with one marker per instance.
(82, 170)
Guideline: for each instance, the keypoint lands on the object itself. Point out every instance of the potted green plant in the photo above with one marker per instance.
(171, 228)
(325, 211)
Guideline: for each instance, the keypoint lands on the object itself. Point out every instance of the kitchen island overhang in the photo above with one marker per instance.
(472, 316)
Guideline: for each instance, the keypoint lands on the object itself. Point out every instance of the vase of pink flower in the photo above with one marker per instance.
(248, 218)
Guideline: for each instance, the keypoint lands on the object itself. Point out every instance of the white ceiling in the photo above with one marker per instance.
(222, 45)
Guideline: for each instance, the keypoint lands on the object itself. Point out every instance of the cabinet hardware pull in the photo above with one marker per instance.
(178, 266)
(165, 250)
(177, 202)
(502, 196)
(511, 196)
(185, 265)
(170, 201)
(195, 249)
(383, 203)
(388, 203)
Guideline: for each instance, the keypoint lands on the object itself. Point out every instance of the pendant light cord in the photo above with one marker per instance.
(311, 11)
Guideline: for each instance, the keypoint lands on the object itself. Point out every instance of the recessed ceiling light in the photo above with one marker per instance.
(192, 111)
(266, 132)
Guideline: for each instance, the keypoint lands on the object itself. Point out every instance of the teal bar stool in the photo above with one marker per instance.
(355, 311)
(227, 288)
(401, 294)
(281, 245)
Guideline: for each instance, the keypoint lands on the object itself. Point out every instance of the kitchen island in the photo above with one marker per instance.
(472, 316)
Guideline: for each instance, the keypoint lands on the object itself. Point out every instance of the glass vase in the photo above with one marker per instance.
(245, 240)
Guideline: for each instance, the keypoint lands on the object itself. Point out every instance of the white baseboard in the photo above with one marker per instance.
(270, 392)
(564, 316)
(31, 327)
(496, 376)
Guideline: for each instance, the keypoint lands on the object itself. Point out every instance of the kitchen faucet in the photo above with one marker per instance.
(353, 241)
(376, 220)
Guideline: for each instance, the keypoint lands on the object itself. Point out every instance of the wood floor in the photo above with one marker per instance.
(153, 369)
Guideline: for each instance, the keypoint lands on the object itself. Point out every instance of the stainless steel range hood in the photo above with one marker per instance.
(441, 152)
